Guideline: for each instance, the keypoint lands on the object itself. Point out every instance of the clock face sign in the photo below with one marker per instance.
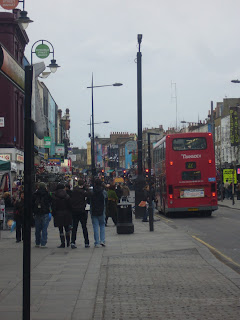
(9, 4)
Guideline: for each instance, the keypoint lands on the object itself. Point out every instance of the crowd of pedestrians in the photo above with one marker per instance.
(69, 208)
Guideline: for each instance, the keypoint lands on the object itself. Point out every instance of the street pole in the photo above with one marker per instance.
(140, 181)
(151, 228)
(28, 163)
(150, 186)
(93, 151)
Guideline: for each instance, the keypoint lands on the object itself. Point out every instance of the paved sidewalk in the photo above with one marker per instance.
(164, 274)
(229, 203)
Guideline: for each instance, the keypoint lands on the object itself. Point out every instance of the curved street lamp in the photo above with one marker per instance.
(117, 84)
(45, 53)
(24, 20)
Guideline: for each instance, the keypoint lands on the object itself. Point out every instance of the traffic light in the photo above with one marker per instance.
(103, 174)
(124, 173)
(146, 173)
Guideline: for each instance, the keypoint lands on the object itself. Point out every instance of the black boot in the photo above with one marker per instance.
(68, 239)
(62, 238)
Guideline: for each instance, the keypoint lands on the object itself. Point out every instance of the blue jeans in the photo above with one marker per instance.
(98, 222)
(41, 225)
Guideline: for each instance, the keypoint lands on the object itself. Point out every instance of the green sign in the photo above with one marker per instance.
(47, 142)
(42, 51)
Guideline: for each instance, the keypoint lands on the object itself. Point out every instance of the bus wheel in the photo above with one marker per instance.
(208, 213)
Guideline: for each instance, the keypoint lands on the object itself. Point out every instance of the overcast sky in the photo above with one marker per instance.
(193, 44)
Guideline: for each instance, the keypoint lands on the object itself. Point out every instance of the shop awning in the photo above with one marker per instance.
(5, 165)
(111, 170)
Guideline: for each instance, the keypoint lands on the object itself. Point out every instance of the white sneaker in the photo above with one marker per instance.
(103, 244)
(43, 246)
(97, 246)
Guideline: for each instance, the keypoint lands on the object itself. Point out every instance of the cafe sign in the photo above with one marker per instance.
(9, 4)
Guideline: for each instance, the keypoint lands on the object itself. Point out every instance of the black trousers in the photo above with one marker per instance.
(19, 226)
(82, 217)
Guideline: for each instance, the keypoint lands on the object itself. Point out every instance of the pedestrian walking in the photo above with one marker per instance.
(41, 208)
(112, 204)
(125, 192)
(78, 203)
(18, 217)
(146, 199)
(97, 209)
(226, 188)
(61, 211)
(119, 192)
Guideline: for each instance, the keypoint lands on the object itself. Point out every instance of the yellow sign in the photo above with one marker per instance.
(119, 180)
(228, 175)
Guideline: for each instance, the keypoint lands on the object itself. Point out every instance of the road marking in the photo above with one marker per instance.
(218, 252)
(165, 219)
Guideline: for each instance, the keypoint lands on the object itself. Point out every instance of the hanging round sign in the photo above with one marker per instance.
(9, 4)
(42, 51)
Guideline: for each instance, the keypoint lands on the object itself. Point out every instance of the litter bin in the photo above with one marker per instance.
(124, 219)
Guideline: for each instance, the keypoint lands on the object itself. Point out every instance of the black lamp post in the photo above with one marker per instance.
(140, 181)
(28, 187)
(150, 180)
(93, 168)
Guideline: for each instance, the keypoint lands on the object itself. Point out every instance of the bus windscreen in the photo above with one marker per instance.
(181, 144)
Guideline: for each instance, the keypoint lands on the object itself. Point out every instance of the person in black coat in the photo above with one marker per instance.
(41, 208)
(18, 216)
(61, 211)
(78, 203)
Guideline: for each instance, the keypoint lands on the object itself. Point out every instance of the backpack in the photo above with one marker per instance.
(40, 206)
(97, 203)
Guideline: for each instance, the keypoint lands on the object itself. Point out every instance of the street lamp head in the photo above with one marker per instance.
(53, 66)
(105, 121)
(117, 84)
(183, 121)
(139, 37)
(24, 20)
(44, 75)
(235, 81)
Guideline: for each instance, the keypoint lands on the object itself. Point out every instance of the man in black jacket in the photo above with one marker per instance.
(78, 203)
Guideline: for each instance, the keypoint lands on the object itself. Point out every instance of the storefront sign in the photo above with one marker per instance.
(6, 157)
(9, 4)
(1, 122)
(59, 149)
(10, 68)
(54, 161)
(20, 158)
(47, 142)
(234, 135)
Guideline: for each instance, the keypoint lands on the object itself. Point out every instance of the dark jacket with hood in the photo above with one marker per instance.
(41, 201)
(97, 201)
(61, 209)
(78, 200)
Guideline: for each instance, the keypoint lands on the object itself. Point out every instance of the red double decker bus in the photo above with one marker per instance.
(185, 173)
